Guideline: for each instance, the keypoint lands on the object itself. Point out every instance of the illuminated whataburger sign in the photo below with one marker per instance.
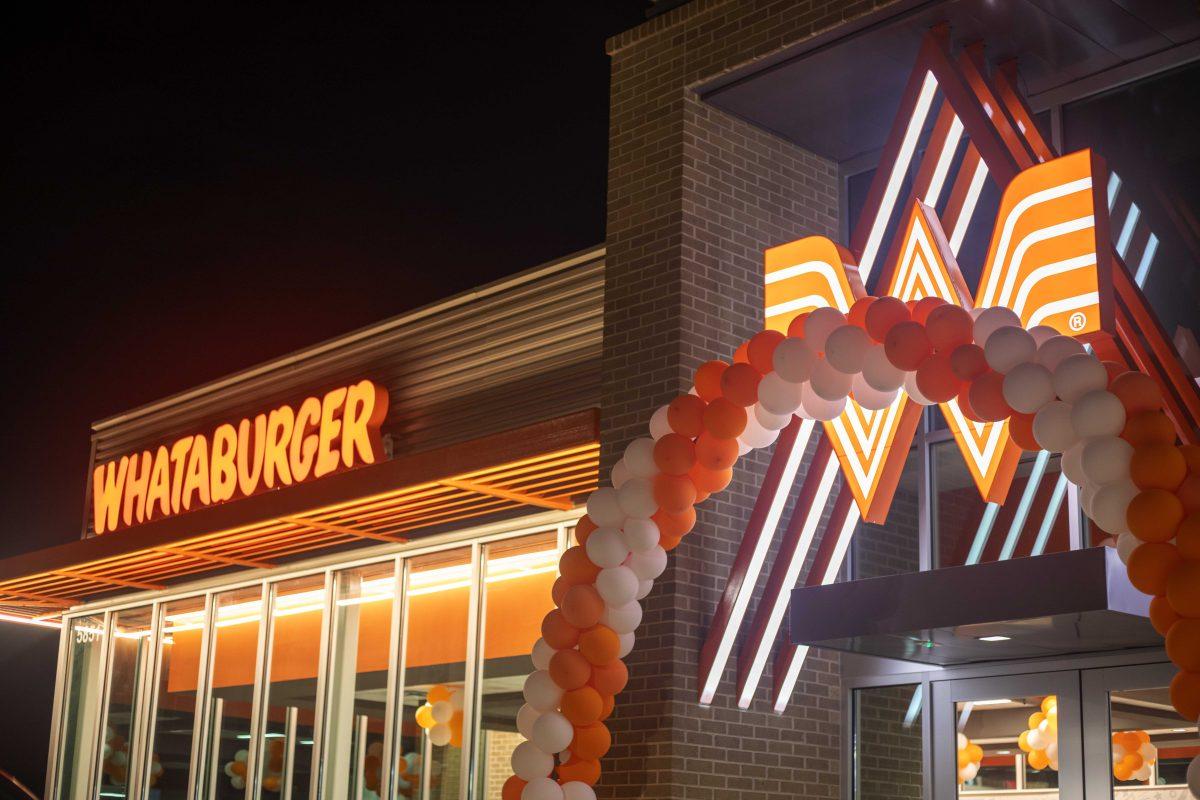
(281, 447)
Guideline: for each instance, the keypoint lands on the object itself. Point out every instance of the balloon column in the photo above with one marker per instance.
(1108, 423)
(1040, 741)
(235, 770)
(441, 716)
(1133, 755)
(970, 756)
(116, 759)
(406, 780)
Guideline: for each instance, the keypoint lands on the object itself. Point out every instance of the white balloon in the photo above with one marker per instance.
(879, 373)
(819, 324)
(770, 420)
(605, 548)
(1052, 427)
(1052, 351)
(617, 585)
(619, 474)
(659, 425)
(542, 789)
(755, 436)
(1007, 347)
(914, 394)
(541, 655)
(639, 458)
(1110, 504)
(778, 396)
(846, 348)
(439, 734)
(1126, 544)
(1036, 739)
(578, 790)
(743, 448)
(1143, 773)
(1087, 496)
(640, 534)
(1028, 387)
(644, 588)
(1193, 776)
(649, 564)
(991, 320)
(1118, 752)
(1071, 464)
(526, 716)
(552, 732)
(827, 383)
(1098, 413)
(637, 498)
(442, 711)
(604, 507)
(623, 619)
(627, 641)
(1148, 752)
(962, 741)
(541, 691)
(869, 397)
(237, 782)
(971, 770)
(793, 360)
(1041, 333)
(1077, 375)
(815, 407)
(530, 763)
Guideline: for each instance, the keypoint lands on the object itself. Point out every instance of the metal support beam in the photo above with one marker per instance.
(233, 561)
(345, 530)
(516, 497)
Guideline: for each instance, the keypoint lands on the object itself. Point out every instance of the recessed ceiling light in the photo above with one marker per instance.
(1180, 730)
(994, 638)
(1004, 752)
(997, 702)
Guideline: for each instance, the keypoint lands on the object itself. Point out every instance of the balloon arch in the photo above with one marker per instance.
(1117, 445)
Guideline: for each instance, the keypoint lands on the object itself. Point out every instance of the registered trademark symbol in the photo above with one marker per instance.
(1077, 321)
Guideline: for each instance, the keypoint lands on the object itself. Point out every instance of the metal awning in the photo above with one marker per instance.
(545, 465)
(1060, 604)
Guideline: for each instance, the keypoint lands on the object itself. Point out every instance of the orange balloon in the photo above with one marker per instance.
(857, 315)
(512, 788)
(739, 384)
(724, 419)
(579, 770)
(1191, 454)
(936, 379)
(591, 742)
(716, 454)
(883, 315)
(685, 414)
(583, 529)
(987, 397)
(456, 729)
(610, 678)
(669, 543)
(238, 768)
(968, 361)
(1189, 494)
(964, 403)
(1187, 536)
(674, 454)
(609, 703)
(1157, 466)
(569, 669)
(581, 706)
(1149, 566)
(796, 326)
(1137, 391)
(925, 307)
(761, 350)
(708, 380)
(271, 783)
(1020, 428)
(1183, 644)
(948, 327)
(742, 354)
(1183, 588)
(600, 645)
(675, 524)
(906, 345)
(1185, 695)
(1162, 616)
(710, 480)
(582, 605)
(1115, 369)
(1154, 515)
(674, 493)
(436, 695)
(576, 567)
(559, 590)
(1148, 427)
(557, 632)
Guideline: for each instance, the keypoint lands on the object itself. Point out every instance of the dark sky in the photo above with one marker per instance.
(188, 192)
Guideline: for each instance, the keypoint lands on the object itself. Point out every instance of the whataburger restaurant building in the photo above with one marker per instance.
(861, 463)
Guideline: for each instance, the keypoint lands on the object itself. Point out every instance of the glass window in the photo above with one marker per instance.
(888, 744)
(1008, 744)
(892, 548)
(438, 596)
(80, 704)
(1151, 744)
(518, 575)
(175, 698)
(238, 615)
(357, 710)
(129, 658)
(286, 751)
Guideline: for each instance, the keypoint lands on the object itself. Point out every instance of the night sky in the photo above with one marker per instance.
(188, 193)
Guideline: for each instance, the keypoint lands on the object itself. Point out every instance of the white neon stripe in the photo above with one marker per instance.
(1127, 230)
(914, 705)
(899, 169)
(983, 532)
(1143, 269)
(1114, 186)
(758, 557)
(1059, 306)
(1031, 487)
(1013, 266)
(799, 304)
(23, 621)
(796, 560)
(1060, 490)
(865, 473)
(968, 209)
(788, 684)
(953, 136)
(1048, 271)
(981, 457)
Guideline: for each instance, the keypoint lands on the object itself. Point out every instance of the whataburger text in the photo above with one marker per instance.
(277, 448)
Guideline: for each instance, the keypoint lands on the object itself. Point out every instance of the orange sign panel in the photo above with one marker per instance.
(281, 447)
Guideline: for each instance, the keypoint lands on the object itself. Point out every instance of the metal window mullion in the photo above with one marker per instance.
(394, 704)
(143, 720)
(258, 711)
(200, 718)
(318, 745)
(471, 673)
(56, 710)
(106, 655)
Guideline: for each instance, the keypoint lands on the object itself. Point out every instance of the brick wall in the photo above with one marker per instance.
(694, 197)
(888, 752)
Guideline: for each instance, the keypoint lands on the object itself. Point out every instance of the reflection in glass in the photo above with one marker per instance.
(81, 704)
(130, 656)
(1007, 744)
(888, 745)
(1151, 744)
(297, 614)
(358, 679)
(438, 595)
(238, 615)
(518, 575)
(175, 697)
